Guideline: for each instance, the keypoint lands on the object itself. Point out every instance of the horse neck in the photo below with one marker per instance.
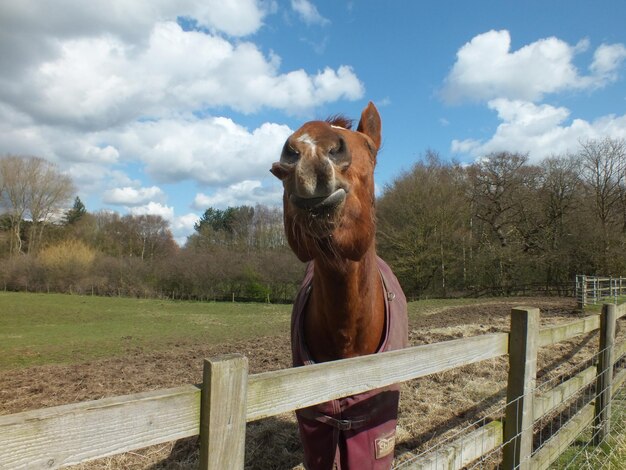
(346, 310)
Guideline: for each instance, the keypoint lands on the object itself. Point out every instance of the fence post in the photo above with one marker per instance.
(518, 424)
(580, 292)
(223, 413)
(614, 289)
(602, 423)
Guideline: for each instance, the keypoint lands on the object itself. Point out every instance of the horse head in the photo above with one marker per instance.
(327, 171)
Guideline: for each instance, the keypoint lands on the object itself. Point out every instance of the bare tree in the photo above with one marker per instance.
(267, 230)
(560, 191)
(560, 196)
(495, 185)
(509, 223)
(603, 167)
(422, 222)
(14, 197)
(31, 187)
(148, 236)
(49, 192)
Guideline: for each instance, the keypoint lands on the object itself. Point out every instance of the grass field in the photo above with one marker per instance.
(38, 329)
(597, 308)
(53, 328)
(610, 454)
(60, 349)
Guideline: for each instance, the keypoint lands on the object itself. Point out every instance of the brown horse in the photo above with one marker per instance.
(350, 304)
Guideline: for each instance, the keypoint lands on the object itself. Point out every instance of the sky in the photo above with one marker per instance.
(171, 107)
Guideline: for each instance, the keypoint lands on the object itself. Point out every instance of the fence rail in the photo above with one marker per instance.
(69, 434)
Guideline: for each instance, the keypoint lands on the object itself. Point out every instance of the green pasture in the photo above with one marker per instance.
(597, 308)
(610, 453)
(55, 328)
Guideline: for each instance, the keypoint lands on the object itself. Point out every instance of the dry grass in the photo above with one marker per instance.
(431, 408)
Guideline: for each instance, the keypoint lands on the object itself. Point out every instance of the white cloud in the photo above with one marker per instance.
(20, 134)
(96, 82)
(539, 130)
(234, 17)
(183, 226)
(129, 20)
(606, 60)
(308, 12)
(128, 196)
(93, 178)
(535, 119)
(212, 151)
(465, 146)
(112, 91)
(246, 192)
(184, 223)
(153, 208)
(32, 32)
(486, 68)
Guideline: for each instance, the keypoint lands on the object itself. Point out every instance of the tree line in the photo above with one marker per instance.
(502, 223)
(235, 254)
(445, 228)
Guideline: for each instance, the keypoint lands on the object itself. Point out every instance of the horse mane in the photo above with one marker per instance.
(339, 120)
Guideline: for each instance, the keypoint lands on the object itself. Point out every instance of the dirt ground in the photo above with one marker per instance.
(431, 408)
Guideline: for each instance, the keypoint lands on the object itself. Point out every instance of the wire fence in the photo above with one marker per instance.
(476, 445)
(592, 450)
(569, 415)
(566, 430)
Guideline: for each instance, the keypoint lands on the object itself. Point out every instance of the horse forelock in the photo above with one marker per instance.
(339, 120)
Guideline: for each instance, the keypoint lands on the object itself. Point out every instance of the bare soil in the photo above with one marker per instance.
(431, 408)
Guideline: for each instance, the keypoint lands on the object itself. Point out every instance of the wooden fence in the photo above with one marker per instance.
(229, 397)
(594, 290)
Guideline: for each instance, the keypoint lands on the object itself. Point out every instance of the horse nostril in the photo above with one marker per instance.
(289, 155)
(340, 154)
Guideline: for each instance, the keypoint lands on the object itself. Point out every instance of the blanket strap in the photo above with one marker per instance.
(341, 424)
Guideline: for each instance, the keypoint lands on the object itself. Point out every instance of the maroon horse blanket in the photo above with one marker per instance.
(356, 432)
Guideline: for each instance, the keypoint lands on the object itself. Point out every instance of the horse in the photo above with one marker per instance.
(349, 304)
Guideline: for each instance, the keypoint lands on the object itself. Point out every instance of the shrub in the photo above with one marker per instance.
(67, 263)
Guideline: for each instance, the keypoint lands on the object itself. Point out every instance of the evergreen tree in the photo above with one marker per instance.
(76, 212)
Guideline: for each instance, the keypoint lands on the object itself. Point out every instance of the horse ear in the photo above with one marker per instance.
(370, 124)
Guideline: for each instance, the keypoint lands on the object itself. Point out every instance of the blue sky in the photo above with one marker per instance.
(171, 107)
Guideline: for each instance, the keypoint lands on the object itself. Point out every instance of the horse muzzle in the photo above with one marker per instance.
(319, 204)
